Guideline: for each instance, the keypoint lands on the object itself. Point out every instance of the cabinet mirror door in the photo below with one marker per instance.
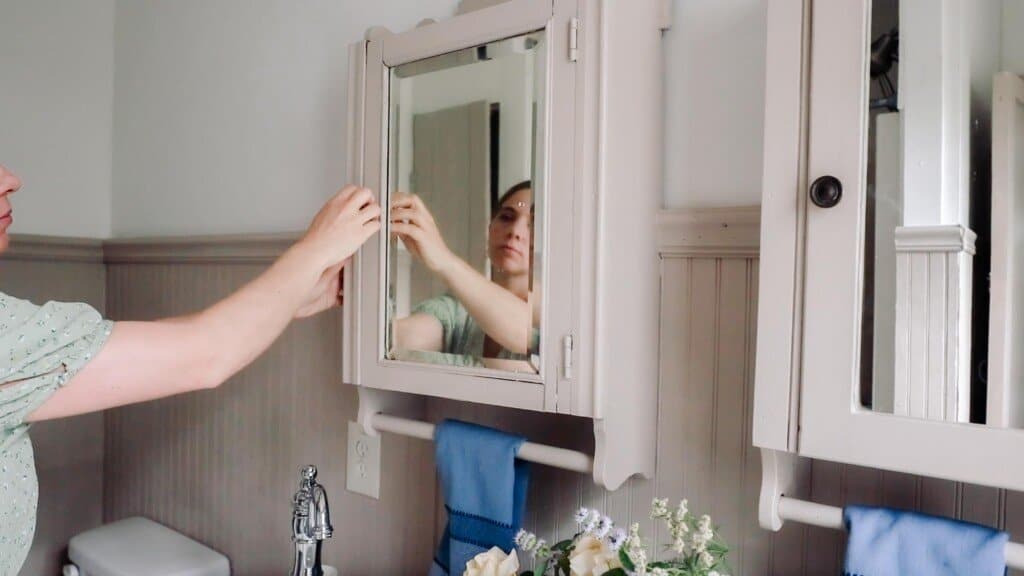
(462, 198)
(942, 314)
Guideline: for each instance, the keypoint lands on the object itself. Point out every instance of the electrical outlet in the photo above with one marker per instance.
(362, 473)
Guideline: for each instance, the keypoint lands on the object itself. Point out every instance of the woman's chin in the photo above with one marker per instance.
(4, 242)
(512, 269)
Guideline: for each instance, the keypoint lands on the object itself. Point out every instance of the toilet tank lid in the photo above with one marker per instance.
(139, 545)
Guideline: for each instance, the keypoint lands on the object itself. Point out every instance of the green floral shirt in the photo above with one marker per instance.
(462, 336)
(41, 349)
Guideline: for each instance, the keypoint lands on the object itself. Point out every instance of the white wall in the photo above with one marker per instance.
(714, 60)
(56, 94)
(231, 114)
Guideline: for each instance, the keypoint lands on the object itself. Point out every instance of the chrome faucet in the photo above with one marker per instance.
(311, 524)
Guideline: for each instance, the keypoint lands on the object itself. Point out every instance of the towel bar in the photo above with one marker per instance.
(775, 508)
(816, 514)
(530, 451)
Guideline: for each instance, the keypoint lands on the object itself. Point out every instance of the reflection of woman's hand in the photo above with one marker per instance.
(414, 224)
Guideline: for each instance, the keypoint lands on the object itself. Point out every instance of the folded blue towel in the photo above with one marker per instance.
(886, 542)
(484, 492)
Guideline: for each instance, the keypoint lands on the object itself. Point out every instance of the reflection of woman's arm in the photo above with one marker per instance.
(502, 315)
(419, 332)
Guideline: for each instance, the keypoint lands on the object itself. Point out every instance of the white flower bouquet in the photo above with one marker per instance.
(600, 548)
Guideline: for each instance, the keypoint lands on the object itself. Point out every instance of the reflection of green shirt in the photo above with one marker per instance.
(462, 335)
(41, 348)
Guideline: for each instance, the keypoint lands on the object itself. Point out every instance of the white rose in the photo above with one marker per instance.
(494, 562)
(592, 557)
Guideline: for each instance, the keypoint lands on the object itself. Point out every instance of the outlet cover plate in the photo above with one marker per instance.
(362, 472)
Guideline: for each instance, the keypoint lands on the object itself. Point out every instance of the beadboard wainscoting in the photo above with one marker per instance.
(221, 465)
(68, 452)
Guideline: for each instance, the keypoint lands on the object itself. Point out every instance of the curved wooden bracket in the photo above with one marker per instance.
(778, 473)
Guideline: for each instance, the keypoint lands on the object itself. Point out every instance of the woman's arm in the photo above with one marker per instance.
(502, 315)
(147, 360)
(419, 331)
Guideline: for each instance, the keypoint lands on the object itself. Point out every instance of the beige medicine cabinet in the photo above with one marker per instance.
(528, 134)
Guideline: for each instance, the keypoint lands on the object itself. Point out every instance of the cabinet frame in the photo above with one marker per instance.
(604, 132)
(806, 401)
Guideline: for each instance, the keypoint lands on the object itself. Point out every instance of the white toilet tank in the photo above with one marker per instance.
(137, 546)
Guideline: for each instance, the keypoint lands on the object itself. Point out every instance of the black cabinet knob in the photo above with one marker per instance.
(826, 191)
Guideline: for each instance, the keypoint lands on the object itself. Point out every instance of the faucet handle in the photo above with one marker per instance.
(311, 516)
(309, 473)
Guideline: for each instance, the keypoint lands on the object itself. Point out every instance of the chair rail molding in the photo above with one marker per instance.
(25, 247)
(226, 249)
(710, 232)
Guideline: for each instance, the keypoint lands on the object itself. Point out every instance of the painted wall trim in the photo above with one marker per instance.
(227, 249)
(54, 248)
(717, 232)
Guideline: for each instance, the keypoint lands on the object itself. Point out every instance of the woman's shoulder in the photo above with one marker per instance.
(445, 305)
(12, 308)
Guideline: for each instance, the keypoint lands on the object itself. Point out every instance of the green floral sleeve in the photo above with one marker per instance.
(41, 349)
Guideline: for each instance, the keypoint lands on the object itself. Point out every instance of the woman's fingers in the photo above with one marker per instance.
(344, 194)
(370, 213)
(370, 228)
(404, 229)
(420, 217)
(359, 200)
(409, 217)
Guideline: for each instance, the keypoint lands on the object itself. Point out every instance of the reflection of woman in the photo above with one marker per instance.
(62, 359)
(480, 317)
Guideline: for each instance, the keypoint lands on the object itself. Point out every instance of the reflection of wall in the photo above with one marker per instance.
(507, 81)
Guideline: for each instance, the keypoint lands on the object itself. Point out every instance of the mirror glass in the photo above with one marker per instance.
(463, 254)
(944, 254)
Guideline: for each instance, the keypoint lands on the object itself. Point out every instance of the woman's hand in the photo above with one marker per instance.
(415, 225)
(147, 360)
(341, 227)
(325, 294)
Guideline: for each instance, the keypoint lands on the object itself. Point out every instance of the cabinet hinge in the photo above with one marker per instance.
(574, 39)
(567, 350)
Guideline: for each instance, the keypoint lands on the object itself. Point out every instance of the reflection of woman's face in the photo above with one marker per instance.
(508, 242)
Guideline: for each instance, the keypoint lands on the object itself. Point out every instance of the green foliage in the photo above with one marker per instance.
(627, 562)
(696, 546)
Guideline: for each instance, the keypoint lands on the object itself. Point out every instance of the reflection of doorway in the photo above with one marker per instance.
(452, 172)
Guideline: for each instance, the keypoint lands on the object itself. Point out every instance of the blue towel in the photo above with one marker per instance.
(484, 492)
(886, 542)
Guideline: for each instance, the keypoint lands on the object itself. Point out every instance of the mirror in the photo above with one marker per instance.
(463, 253)
(944, 201)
